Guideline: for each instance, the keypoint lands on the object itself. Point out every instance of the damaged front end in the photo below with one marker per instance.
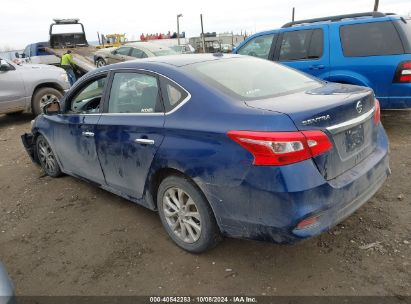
(29, 143)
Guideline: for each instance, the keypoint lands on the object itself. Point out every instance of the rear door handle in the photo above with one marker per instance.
(317, 67)
(87, 134)
(144, 141)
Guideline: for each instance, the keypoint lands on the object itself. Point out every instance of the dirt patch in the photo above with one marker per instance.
(66, 237)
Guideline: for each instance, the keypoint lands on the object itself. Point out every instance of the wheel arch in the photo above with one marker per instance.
(43, 85)
(349, 78)
(158, 176)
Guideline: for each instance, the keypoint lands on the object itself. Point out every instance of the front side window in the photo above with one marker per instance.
(123, 51)
(258, 47)
(249, 78)
(88, 99)
(302, 45)
(136, 53)
(134, 93)
(370, 39)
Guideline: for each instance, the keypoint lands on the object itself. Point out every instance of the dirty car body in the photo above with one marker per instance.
(279, 156)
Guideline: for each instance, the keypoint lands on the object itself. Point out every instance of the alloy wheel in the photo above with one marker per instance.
(46, 156)
(181, 214)
(47, 98)
(100, 63)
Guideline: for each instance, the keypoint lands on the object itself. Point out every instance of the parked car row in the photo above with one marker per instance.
(131, 51)
(368, 49)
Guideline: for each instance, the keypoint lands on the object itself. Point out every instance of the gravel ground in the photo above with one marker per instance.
(66, 237)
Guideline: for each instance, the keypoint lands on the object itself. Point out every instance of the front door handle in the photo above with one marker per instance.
(144, 141)
(87, 134)
(317, 67)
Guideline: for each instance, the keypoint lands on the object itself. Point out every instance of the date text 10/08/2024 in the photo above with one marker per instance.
(205, 299)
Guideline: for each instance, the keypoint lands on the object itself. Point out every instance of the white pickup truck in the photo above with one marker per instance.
(27, 87)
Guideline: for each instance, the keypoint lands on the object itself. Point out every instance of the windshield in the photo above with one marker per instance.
(250, 78)
(404, 27)
(164, 52)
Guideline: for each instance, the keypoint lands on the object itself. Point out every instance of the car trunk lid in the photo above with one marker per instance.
(343, 112)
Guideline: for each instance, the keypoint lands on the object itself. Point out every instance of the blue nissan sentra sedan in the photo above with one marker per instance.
(219, 145)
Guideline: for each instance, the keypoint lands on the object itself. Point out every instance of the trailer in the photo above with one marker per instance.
(75, 41)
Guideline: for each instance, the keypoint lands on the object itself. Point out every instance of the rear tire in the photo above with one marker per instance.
(100, 62)
(44, 96)
(47, 158)
(186, 215)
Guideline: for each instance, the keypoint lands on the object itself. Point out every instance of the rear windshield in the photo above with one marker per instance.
(404, 28)
(249, 78)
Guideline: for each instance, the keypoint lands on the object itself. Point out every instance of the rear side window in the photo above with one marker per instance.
(404, 28)
(258, 47)
(138, 53)
(173, 95)
(302, 45)
(370, 39)
(134, 93)
(123, 51)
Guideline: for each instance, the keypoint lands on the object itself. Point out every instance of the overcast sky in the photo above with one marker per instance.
(27, 21)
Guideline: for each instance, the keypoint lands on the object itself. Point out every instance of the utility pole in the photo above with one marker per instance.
(293, 15)
(178, 27)
(376, 5)
(202, 32)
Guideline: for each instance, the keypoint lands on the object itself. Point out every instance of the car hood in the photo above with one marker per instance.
(27, 66)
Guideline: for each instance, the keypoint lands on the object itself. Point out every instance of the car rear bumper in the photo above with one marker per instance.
(270, 202)
(399, 97)
(398, 102)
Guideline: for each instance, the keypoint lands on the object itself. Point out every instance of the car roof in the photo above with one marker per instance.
(346, 19)
(172, 61)
(147, 45)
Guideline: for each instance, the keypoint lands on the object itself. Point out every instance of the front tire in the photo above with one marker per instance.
(47, 157)
(186, 215)
(100, 62)
(44, 96)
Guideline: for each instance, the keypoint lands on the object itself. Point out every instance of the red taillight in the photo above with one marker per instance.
(403, 73)
(308, 223)
(377, 112)
(282, 148)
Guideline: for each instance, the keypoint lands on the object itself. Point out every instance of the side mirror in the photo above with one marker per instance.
(114, 52)
(51, 108)
(4, 65)
(23, 55)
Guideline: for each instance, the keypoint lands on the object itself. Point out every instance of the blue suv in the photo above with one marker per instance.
(367, 49)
